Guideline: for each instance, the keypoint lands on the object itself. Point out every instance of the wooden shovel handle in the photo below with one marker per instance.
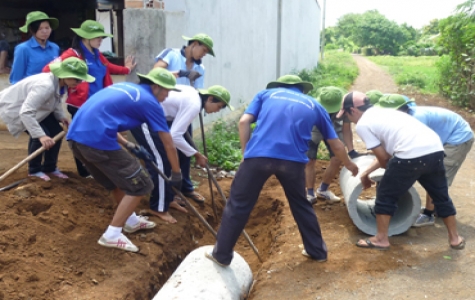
(31, 156)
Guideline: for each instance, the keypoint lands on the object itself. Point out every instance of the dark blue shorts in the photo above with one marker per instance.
(401, 174)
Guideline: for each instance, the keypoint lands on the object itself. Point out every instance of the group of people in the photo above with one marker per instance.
(408, 141)
(100, 111)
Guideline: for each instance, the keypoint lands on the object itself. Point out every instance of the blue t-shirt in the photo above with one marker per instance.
(95, 68)
(176, 60)
(449, 126)
(284, 120)
(30, 58)
(119, 107)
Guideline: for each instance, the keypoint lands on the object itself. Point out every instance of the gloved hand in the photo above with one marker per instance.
(353, 154)
(139, 151)
(190, 74)
(175, 180)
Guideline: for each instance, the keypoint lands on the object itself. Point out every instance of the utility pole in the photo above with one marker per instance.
(322, 43)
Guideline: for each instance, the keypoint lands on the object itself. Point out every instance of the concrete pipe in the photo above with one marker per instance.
(361, 210)
(199, 278)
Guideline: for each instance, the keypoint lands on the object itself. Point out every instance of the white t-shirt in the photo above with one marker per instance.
(398, 133)
(181, 108)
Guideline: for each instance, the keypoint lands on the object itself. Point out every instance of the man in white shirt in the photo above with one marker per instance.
(180, 109)
(410, 152)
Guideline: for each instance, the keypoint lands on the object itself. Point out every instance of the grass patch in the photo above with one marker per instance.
(338, 69)
(419, 72)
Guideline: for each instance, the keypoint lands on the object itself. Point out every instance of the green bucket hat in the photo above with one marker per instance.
(374, 96)
(330, 98)
(71, 67)
(394, 101)
(161, 77)
(219, 92)
(91, 29)
(291, 80)
(204, 39)
(38, 16)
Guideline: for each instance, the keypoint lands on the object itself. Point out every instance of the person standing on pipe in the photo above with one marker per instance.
(186, 64)
(410, 152)
(330, 98)
(284, 118)
(180, 110)
(454, 133)
(95, 139)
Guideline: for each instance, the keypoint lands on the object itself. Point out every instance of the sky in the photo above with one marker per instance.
(416, 13)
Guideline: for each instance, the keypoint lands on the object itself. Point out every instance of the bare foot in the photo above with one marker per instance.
(178, 207)
(5, 70)
(164, 216)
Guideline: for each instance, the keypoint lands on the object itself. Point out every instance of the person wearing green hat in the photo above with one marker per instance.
(34, 105)
(85, 46)
(95, 139)
(284, 118)
(180, 110)
(32, 55)
(374, 96)
(186, 65)
(330, 97)
(454, 132)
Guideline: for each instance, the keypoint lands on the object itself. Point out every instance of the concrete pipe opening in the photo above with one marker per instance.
(361, 207)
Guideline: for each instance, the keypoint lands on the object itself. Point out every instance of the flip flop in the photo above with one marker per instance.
(40, 175)
(179, 201)
(370, 245)
(195, 197)
(59, 174)
(460, 246)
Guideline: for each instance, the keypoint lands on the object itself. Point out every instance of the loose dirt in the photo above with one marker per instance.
(49, 232)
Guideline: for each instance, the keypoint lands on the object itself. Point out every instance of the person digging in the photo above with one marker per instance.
(410, 152)
(180, 109)
(95, 139)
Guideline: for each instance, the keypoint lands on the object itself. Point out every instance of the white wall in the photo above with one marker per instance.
(245, 35)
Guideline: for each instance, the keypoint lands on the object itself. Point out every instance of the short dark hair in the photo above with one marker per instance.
(204, 98)
(145, 81)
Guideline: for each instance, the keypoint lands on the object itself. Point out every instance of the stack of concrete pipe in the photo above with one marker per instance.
(361, 211)
(199, 278)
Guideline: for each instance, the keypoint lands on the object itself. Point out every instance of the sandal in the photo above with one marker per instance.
(195, 197)
(40, 175)
(59, 174)
(460, 246)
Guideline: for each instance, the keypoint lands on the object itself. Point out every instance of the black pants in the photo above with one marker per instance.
(245, 190)
(82, 171)
(51, 127)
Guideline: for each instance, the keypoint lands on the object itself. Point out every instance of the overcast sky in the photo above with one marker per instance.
(416, 13)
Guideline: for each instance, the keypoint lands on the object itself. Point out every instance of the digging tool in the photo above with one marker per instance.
(188, 204)
(31, 156)
(225, 200)
(11, 185)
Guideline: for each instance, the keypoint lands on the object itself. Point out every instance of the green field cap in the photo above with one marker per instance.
(330, 98)
(38, 16)
(291, 80)
(91, 29)
(374, 96)
(219, 92)
(204, 39)
(392, 101)
(71, 67)
(161, 77)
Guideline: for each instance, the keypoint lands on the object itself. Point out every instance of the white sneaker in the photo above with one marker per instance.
(142, 224)
(311, 199)
(122, 243)
(424, 220)
(304, 253)
(328, 196)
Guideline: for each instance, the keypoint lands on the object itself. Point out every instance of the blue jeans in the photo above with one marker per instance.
(401, 174)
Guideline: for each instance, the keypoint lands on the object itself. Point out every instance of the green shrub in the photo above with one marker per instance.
(414, 79)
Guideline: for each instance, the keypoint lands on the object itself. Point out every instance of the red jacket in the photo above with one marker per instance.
(78, 95)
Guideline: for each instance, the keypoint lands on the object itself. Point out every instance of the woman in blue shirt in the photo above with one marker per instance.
(32, 55)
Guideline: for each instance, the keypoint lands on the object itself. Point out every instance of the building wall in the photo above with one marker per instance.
(251, 48)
